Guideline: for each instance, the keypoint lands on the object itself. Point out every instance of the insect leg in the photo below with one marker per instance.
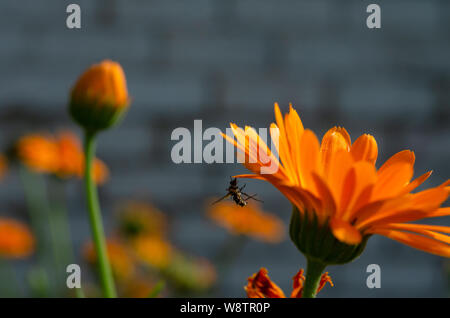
(222, 198)
(251, 197)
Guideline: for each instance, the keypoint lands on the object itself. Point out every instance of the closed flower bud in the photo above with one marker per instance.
(100, 97)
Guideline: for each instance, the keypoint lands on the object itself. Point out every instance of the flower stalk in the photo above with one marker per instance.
(106, 277)
(314, 270)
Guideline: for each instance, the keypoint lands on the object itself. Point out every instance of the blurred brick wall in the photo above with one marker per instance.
(224, 61)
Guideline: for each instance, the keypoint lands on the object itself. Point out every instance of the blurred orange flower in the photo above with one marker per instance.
(336, 182)
(3, 166)
(61, 155)
(260, 286)
(122, 263)
(191, 274)
(137, 287)
(140, 218)
(249, 220)
(153, 251)
(16, 240)
(39, 153)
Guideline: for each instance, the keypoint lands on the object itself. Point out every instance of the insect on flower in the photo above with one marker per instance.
(236, 193)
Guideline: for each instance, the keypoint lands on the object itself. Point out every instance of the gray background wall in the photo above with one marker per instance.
(223, 61)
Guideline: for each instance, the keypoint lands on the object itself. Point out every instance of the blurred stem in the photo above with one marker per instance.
(36, 199)
(62, 238)
(314, 270)
(8, 280)
(38, 281)
(79, 293)
(95, 218)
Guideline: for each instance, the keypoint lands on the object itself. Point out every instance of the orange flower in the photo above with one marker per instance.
(121, 262)
(3, 166)
(72, 159)
(260, 286)
(336, 183)
(39, 153)
(249, 220)
(137, 287)
(100, 96)
(139, 218)
(190, 274)
(61, 155)
(153, 251)
(16, 240)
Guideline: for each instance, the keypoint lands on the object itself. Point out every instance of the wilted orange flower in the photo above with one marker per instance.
(260, 286)
(99, 96)
(121, 261)
(140, 218)
(153, 251)
(3, 166)
(61, 155)
(249, 220)
(16, 240)
(336, 181)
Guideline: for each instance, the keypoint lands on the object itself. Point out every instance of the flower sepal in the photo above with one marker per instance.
(316, 241)
(95, 115)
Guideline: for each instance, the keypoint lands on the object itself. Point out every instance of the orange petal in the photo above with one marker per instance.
(424, 229)
(402, 209)
(392, 180)
(298, 281)
(429, 199)
(260, 286)
(334, 140)
(328, 203)
(405, 156)
(365, 148)
(439, 212)
(345, 232)
(418, 241)
(284, 151)
(348, 188)
(309, 161)
(340, 165)
(294, 130)
(366, 177)
(415, 183)
(324, 279)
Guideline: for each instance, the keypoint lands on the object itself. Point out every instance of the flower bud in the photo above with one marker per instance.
(99, 98)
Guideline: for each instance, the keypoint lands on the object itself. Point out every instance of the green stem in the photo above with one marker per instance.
(95, 218)
(314, 270)
(35, 190)
(62, 238)
(79, 293)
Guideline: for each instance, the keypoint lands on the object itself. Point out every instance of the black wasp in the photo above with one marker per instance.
(236, 193)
